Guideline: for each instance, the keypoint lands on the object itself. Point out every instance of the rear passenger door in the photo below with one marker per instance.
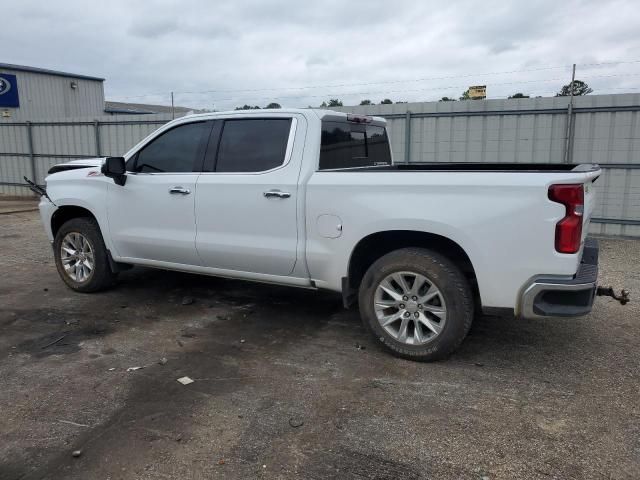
(246, 202)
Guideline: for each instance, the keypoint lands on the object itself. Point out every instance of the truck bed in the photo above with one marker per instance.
(476, 167)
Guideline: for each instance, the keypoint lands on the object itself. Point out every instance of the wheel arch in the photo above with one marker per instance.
(375, 245)
(65, 213)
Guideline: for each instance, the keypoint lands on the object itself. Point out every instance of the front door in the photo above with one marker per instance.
(246, 205)
(152, 216)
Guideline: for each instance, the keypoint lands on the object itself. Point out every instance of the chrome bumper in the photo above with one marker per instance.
(564, 298)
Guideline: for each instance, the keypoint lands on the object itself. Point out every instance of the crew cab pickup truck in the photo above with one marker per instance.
(312, 198)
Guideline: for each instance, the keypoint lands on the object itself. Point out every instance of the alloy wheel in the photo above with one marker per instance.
(410, 307)
(76, 255)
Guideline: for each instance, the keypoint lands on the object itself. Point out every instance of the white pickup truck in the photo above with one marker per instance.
(312, 199)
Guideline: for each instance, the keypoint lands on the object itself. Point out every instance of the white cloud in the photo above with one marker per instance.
(147, 49)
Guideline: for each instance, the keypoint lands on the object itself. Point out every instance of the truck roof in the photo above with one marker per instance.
(320, 112)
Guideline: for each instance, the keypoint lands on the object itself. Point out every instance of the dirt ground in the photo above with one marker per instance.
(287, 384)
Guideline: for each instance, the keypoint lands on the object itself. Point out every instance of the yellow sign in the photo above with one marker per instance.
(478, 91)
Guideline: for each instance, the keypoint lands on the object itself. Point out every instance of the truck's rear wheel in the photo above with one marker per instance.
(81, 256)
(417, 303)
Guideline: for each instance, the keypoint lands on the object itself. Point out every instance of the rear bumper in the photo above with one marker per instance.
(549, 297)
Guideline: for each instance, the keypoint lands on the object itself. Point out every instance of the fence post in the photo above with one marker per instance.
(567, 147)
(96, 128)
(32, 158)
(407, 137)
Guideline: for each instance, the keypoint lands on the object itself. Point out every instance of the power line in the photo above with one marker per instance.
(380, 92)
(613, 75)
(374, 83)
(387, 92)
(529, 93)
(606, 63)
(447, 77)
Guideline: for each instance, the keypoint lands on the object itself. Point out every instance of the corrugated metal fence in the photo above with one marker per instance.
(606, 130)
(31, 148)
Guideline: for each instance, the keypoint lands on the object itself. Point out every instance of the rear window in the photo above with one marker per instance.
(347, 145)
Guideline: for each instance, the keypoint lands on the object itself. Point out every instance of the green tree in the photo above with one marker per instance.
(579, 88)
(366, 102)
(465, 96)
(334, 102)
(386, 101)
(248, 107)
(273, 105)
(519, 95)
(447, 99)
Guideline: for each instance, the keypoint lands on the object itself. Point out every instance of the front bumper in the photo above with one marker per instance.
(46, 212)
(564, 298)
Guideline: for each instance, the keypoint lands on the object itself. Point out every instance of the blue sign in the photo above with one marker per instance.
(9, 91)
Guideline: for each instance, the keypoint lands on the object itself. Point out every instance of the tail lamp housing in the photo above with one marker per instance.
(569, 228)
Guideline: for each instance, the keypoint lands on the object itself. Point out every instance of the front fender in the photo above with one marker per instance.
(68, 189)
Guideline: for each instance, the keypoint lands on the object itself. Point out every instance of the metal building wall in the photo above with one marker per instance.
(606, 130)
(45, 96)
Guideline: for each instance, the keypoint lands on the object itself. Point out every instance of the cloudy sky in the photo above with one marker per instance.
(218, 54)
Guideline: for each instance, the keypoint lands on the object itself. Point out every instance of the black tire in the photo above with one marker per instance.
(101, 277)
(453, 285)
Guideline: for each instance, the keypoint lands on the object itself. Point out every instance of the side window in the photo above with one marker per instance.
(177, 150)
(253, 145)
(345, 145)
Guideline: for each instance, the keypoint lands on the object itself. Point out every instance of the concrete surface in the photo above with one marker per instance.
(288, 385)
(18, 205)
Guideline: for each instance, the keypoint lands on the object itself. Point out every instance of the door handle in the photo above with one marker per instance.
(276, 193)
(179, 190)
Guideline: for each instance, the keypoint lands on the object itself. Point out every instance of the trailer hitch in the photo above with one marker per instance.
(623, 298)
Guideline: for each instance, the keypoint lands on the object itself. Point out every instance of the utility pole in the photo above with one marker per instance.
(567, 147)
(173, 113)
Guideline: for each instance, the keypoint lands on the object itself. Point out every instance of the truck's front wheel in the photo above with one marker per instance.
(417, 303)
(81, 256)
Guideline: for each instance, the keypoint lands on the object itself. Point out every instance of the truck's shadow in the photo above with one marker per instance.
(505, 340)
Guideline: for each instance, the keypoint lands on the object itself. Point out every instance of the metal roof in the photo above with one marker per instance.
(141, 108)
(23, 68)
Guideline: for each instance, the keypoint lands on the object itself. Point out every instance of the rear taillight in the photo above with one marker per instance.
(569, 229)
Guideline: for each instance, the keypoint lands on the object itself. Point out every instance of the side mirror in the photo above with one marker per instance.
(113, 167)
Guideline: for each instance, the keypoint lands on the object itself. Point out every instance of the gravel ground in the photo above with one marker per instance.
(17, 206)
(288, 385)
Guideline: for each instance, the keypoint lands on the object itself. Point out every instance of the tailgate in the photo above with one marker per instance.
(589, 200)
